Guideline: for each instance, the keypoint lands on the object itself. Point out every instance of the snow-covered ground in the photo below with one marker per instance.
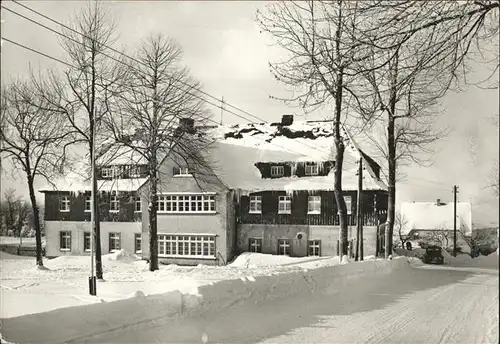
(28, 290)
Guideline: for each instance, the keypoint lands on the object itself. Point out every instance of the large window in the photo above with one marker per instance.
(284, 247)
(114, 242)
(65, 241)
(138, 243)
(88, 203)
(64, 203)
(86, 241)
(114, 202)
(284, 205)
(314, 247)
(314, 205)
(189, 246)
(256, 204)
(186, 204)
(277, 171)
(138, 206)
(255, 245)
(311, 169)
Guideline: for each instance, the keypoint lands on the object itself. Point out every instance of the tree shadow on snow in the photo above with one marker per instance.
(253, 322)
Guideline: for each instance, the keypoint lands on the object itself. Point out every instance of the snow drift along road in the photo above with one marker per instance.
(90, 320)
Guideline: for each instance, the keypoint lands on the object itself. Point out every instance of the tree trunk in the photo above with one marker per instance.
(391, 206)
(152, 209)
(391, 158)
(339, 160)
(36, 222)
(97, 231)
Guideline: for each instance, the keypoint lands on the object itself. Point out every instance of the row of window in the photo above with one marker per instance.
(186, 203)
(285, 204)
(166, 204)
(114, 203)
(311, 169)
(114, 241)
(188, 246)
(284, 246)
(120, 171)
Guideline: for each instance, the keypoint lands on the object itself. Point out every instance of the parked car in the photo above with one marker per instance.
(433, 255)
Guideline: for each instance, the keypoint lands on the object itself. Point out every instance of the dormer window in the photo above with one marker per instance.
(181, 171)
(134, 172)
(277, 171)
(311, 169)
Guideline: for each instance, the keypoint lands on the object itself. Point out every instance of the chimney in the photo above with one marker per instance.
(438, 202)
(187, 125)
(286, 120)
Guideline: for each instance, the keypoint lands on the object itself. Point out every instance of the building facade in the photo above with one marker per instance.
(266, 188)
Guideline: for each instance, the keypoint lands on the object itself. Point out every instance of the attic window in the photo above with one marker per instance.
(277, 171)
(107, 172)
(311, 169)
(181, 171)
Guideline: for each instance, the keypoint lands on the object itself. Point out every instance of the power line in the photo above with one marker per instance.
(127, 56)
(139, 62)
(74, 67)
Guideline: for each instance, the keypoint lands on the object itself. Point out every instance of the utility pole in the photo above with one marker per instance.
(359, 215)
(221, 109)
(455, 191)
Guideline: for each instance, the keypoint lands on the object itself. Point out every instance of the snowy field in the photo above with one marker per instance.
(28, 290)
(250, 278)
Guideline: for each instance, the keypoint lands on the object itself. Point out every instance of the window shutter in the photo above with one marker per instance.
(109, 243)
(60, 239)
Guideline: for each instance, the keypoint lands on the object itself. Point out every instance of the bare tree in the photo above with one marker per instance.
(15, 212)
(155, 117)
(85, 88)
(419, 48)
(320, 61)
(32, 133)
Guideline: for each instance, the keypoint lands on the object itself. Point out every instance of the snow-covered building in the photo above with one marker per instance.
(266, 188)
(68, 206)
(434, 221)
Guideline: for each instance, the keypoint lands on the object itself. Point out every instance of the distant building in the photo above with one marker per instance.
(434, 222)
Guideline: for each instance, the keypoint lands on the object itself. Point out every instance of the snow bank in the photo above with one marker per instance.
(90, 320)
(248, 259)
(99, 318)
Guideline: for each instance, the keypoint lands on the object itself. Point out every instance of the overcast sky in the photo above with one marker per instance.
(226, 52)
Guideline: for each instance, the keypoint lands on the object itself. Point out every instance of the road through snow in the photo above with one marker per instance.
(418, 305)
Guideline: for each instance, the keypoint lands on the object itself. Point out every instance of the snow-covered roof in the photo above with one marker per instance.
(77, 183)
(239, 147)
(431, 216)
(120, 155)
